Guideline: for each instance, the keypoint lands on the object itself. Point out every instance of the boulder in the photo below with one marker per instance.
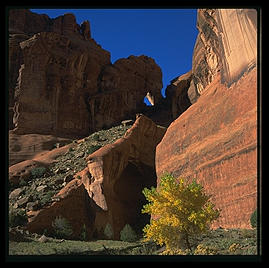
(22, 170)
(177, 94)
(73, 205)
(15, 193)
(28, 146)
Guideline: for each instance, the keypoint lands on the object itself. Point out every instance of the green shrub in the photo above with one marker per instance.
(253, 219)
(127, 234)
(46, 197)
(38, 172)
(22, 183)
(93, 148)
(95, 137)
(83, 234)
(108, 231)
(17, 217)
(62, 228)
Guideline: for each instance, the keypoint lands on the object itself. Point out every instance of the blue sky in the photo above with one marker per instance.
(166, 35)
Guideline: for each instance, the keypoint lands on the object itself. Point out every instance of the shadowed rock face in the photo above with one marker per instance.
(215, 139)
(113, 181)
(73, 204)
(63, 83)
(177, 94)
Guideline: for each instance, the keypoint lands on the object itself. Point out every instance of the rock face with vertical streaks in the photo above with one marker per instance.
(226, 43)
(215, 139)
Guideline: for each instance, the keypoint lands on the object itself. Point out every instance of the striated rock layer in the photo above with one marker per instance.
(26, 147)
(109, 189)
(215, 139)
(61, 82)
(226, 43)
(215, 142)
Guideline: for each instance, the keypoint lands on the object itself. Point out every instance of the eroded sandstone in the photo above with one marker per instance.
(113, 181)
(63, 83)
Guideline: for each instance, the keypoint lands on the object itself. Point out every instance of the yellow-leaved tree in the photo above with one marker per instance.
(178, 210)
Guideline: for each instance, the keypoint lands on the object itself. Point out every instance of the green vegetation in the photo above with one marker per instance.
(216, 242)
(128, 234)
(38, 172)
(83, 234)
(179, 210)
(70, 247)
(108, 231)
(93, 148)
(253, 219)
(62, 228)
(16, 217)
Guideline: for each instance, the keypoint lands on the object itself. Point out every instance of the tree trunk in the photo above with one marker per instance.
(187, 241)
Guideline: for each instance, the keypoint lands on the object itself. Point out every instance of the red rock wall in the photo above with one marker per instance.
(215, 142)
(215, 139)
(62, 82)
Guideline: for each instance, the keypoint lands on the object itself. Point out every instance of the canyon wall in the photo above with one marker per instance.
(226, 43)
(62, 82)
(214, 140)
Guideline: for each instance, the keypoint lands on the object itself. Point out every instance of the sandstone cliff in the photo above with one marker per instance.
(109, 189)
(215, 139)
(62, 82)
(226, 43)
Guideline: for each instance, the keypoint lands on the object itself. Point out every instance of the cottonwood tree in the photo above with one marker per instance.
(178, 210)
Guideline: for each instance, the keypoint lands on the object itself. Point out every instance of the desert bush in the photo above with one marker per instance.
(46, 197)
(178, 211)
(17, 217)
(253, 219)
(38, 172)
(93, 148)
(205, 250)
(128, 234)
(234, 247)
(108, 231)
(22, 183)
(83, 233)
(62, 228)
(96, 137)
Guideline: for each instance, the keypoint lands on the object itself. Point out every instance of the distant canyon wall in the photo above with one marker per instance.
(62, 82)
